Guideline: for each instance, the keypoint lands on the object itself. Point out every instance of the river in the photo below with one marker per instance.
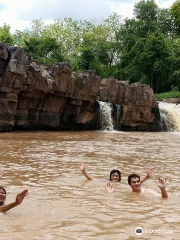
(62, 204)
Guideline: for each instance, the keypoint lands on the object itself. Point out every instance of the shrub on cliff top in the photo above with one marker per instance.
(172, 94)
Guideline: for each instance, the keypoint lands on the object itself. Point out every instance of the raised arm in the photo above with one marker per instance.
(161, 184)
(19, 199)
(83, 170)
(148, 175)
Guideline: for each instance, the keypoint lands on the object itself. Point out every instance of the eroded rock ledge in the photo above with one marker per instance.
(53, 97)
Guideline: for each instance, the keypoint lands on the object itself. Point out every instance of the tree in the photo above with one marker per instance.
(99, 45)
(156, 59)
(44, 50)
(142, 25)
(166, 24)
(5, 35)
(175, 64)
(146, 13)
(68, 34)
(50, 43)
(175, 9)
(148, 62)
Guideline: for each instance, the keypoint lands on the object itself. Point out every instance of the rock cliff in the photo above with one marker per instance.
(53, 97)
(139, 106)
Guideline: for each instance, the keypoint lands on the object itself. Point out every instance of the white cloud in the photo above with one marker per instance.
(79, 9)
(18, 14)
(124, 9)
(165, 3)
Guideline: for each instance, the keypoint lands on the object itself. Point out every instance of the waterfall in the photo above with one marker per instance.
(105, 116)
(170, 116)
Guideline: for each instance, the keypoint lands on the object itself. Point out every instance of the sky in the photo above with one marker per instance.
(20, 13)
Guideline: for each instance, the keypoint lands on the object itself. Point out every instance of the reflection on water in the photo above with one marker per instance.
(62, 204)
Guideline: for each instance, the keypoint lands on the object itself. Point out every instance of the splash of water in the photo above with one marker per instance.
(170, 115)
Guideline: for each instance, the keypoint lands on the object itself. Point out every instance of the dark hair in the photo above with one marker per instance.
(3, 189)
(115, 171)
(134, 175)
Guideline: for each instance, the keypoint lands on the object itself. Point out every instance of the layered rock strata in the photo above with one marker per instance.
(139, 109)
(53, 97)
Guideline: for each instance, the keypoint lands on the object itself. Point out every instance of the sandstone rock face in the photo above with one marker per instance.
(33, 96)
(138, 102)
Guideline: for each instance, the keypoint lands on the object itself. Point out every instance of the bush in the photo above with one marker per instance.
(172, 94)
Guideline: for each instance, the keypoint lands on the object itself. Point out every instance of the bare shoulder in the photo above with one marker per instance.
(149, 192)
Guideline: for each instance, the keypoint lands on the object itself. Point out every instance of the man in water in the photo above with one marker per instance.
(18, 200)
(135, 184)
(115, 176)
(111, 187)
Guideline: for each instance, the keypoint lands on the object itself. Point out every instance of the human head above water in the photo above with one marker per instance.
(134, 175)
(115, 175)
(2, 196)
(1, 188)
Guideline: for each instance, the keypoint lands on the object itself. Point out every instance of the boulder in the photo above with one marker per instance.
(137, 102)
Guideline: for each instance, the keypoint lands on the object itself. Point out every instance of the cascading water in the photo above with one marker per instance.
(170, 116)
(105, 116)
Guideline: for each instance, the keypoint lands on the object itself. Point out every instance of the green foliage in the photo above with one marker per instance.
(166, 24)
(174, 89)
(146, 12)
(143, 49)
(68, 36)
(156, 58)
(172, 94)
(148, 62)
(99, 47)
(5, 35)
(44, 50)
(85, 60)
(175, 10)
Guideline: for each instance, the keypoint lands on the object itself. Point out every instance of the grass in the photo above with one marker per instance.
(172, 94)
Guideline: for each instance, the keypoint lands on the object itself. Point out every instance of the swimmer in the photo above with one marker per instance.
(18, 200)
(111, 187)
(135, 184)
(115, 175)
